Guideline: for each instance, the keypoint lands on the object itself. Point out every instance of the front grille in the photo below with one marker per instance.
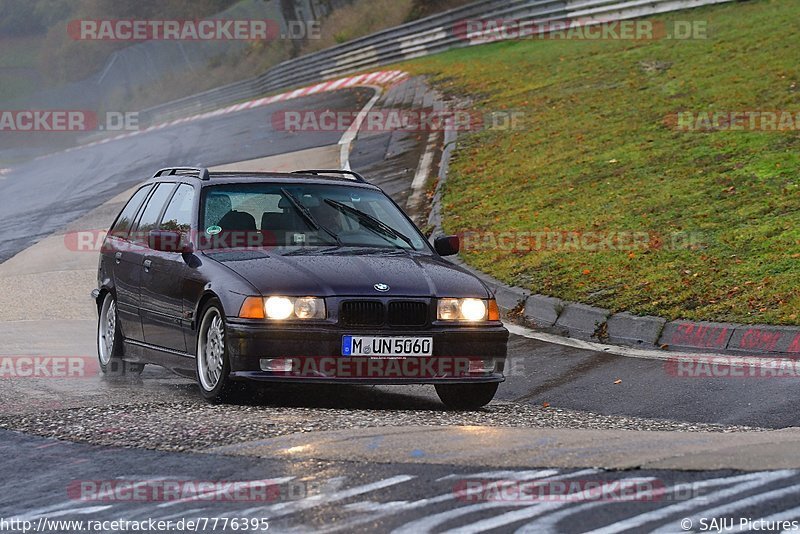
(362, 313)
(374, 313)
(408, 313)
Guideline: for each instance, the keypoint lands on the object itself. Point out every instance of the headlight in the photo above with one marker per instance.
(473, 310)
(309, 308)
(469, 310)
(281, 308)
(449, 309)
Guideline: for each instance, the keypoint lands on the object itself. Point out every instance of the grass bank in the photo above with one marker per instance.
(600, 156)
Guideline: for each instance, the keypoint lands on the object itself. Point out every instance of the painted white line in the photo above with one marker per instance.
(423, 171)
(765, 361)
(503, 475)
(729, 509)
(541, 508)
(749, 482)
(432, 522)
(549, 523)
(380, 510)
(287, 508)
(346, 141)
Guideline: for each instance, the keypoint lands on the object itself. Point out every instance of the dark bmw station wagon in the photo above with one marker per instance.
(311, 276)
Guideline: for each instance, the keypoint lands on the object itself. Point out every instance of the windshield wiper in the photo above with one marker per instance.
(302, 251)
(370, 221)
(306, 214)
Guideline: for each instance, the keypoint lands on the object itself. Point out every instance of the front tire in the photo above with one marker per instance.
(110, 342)
(466, 396)
(213, 365)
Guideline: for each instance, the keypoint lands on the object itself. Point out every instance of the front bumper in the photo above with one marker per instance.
(306, 353)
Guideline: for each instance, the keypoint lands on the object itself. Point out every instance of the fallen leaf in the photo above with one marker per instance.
(618, 381)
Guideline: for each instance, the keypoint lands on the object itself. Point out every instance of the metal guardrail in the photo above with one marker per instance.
(430, 35)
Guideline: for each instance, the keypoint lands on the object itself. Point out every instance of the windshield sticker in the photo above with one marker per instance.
(213, 230)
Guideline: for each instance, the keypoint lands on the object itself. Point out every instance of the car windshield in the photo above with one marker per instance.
(236, 216)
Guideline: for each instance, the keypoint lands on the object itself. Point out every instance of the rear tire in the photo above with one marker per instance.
(466, 396)
(110, 342)
(212, 362)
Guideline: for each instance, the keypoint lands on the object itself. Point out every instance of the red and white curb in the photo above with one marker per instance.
(380, 78)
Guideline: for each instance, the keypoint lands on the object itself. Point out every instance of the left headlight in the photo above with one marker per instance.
(279, 308)
(468, 310)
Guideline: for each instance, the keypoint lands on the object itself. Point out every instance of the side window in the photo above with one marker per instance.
(148, 218)
(178, 215)
(125, 219)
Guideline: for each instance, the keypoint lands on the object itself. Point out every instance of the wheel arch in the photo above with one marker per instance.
(201, 304)
(100, 295)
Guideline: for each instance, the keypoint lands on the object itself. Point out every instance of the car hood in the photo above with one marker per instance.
(352, 273)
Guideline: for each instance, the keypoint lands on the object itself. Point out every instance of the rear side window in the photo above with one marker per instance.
(125, 219)
(148, 220)
(178, 215)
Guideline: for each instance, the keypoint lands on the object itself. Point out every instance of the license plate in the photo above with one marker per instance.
(386, 346)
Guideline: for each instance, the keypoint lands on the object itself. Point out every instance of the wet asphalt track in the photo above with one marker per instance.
(46, 194)
(357, 497)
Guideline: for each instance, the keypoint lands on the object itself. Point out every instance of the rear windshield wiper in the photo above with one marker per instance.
(369, 221)
(306, 214)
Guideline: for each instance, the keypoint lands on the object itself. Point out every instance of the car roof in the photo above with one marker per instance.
(253, 177)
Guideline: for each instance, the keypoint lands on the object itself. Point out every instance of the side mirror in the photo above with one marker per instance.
(169, 241)
(447, 245)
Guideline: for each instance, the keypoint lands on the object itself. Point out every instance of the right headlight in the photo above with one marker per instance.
(468, 310)
(279, 308)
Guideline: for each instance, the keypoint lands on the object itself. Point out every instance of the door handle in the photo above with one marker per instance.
(117, 257)
(147, 265)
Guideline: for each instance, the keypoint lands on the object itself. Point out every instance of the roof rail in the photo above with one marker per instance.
(355, 175)
(201, 172)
